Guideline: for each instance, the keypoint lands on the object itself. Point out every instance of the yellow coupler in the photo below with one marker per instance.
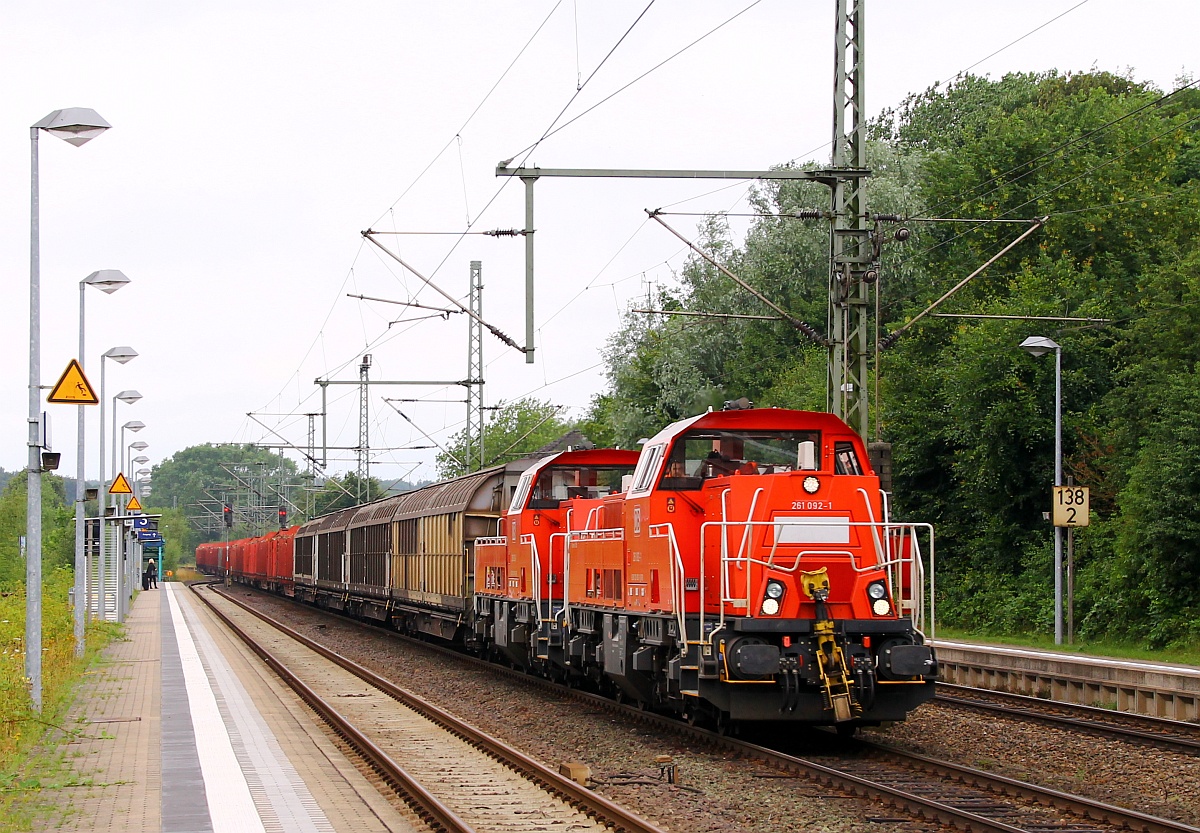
(835, 677)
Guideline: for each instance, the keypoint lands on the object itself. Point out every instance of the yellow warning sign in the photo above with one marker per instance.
(134, 505)
(120, 486)
(73, 388)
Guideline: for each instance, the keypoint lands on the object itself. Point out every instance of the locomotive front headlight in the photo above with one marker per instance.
(877, 593)
(771, 601)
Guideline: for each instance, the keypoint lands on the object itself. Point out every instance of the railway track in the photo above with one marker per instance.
(922, 788)
(455, 777)
(1156, 732)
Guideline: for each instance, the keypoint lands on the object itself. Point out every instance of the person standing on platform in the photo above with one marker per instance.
(151, 575)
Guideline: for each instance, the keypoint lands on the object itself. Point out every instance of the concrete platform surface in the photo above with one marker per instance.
(183, 729)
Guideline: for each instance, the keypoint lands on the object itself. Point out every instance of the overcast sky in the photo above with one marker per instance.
(252, 141)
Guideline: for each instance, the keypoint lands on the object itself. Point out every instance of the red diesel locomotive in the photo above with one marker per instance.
(743, 567)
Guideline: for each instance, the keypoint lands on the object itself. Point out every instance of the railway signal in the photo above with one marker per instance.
(227, 512)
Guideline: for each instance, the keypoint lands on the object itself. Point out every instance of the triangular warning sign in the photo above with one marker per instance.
(120, 486)
(73, 388)
(134, 505)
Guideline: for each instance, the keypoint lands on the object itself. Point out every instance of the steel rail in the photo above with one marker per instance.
(1158, 732)
(574, 793)
(1119, 817)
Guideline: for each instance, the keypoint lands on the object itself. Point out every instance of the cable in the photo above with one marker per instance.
(478, 106)
(620, 90)
(1018, 40)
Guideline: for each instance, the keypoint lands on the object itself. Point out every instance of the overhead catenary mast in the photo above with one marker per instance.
(852, 257)
(475, 371)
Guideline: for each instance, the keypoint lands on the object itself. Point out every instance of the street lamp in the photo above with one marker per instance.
(137, 446)
(121, 355)
(1038, 346)
(76, 125)
(133, 425)
(107, 281)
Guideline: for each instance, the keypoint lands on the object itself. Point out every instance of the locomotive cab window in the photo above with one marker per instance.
(558, 483)
(704, 454)
(845, 459)
(647, 468)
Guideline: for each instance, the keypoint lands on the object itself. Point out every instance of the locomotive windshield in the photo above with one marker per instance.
(559, 483)
(705, 453)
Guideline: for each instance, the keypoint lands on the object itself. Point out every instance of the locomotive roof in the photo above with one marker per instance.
(779, 419)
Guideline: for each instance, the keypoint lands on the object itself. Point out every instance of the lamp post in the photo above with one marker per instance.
(121, 355)
(76, 125)
(133, 565)
(107, 281)
(1039, 346)
(128, 397)
(134, 425)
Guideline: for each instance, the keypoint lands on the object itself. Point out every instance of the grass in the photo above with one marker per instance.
(186, 574)
(31, 759)
(1185, 655)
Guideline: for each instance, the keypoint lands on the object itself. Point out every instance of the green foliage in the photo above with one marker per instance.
(512, 431)
(58, 530)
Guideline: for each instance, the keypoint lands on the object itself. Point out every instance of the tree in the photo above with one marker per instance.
(512, 431)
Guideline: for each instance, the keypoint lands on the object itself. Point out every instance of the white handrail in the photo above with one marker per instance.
(886, 558)
(874, 531)
(536, 569)
(678, 577)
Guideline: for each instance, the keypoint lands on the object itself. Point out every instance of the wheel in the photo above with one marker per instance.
(846, 730)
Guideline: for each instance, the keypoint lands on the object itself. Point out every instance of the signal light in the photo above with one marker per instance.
(227, 511)
(282, 518)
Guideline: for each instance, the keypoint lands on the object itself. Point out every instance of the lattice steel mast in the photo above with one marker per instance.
(475, 371)
(852, 255)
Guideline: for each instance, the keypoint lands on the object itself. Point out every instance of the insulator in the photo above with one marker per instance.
(902, 234)
(886, 218)
(505, 232)
(809, 214)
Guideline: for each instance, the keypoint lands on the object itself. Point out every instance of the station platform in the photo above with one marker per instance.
(1153, 689)
(182, 729)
